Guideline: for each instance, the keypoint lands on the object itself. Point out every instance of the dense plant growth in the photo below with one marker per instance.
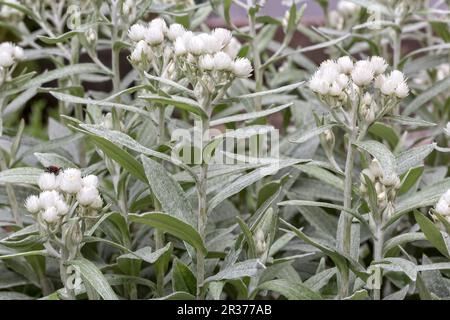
(145, 154)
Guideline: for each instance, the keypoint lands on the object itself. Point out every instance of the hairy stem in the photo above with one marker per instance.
(378, 255)
(202, 217)
(256, 60)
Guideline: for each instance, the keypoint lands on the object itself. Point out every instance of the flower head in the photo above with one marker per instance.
(48, 181)
(32, 204)
(242, 68)
(175, 30)
(71, 180)
(87, 195)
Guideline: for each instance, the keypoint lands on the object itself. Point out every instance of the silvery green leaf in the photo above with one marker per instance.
(168, 192)
(321, 279)
(412, 157)
(106, 104)
(408, 121)
(399, 265)
(380, 152)
(239, 270)
(437, 89)
(20, 175)
(12, 295)
(399, 295)
(322, 175)
(291, 290)
(146, 254)
(182, 103)
(178, 296)
(271, 92)
(171, 225)
(93, 276)
(402, 239)
(49, 159)
(427, 196)
(432, 233)
(250, 115)
(248, 179)
(311, 133)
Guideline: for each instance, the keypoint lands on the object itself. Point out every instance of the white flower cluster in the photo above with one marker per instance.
(386, 187)
(216, 51)
(443, 205)
(61, 191)
(10, 54)
(335, 80)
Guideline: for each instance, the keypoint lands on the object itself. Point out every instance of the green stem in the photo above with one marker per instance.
(161, 125)
(378, 255)
(70, 293)
(202, 217)
(256, 60)
(159, 244)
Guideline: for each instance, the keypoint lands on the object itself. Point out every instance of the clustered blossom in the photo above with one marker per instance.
(337, 80)
(386, 187)
(10, 55)
(443, 205)
(61, 192)
(212, 53)
(345, 10)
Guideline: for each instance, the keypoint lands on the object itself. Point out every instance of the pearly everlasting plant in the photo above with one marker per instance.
(167, 150)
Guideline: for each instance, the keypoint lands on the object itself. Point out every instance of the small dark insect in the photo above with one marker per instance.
(53, 169)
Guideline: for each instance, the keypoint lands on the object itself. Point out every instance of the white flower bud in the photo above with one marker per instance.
(206, 62)
(223, 36)
(48, 181)
(62, 207)
(222, 62)
(6, 59)
(195, 45)
(137, 32)
(90, 181)
(154, 36)
(397, 76)
(97, 203)
(367, 99)
(402, 90)
(232, 49)
(159, 24)
(345, 64)
(87, 195)
(48, 199)
(91, 36)
(50, 215)
(379, 81)
(32, 204)
(179, 47)
(318, 85)
(71, 180)
(211, 43)
(175, 30)
(18, 53)
(443, 207)
(375, 168)
(388, 88)
(347, 8)
(378, 65)
(362, 76)
(446, 196)
(242, 68)
(142, 52)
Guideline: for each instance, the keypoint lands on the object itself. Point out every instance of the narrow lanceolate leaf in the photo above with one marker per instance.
(178, 102)
(312, 133)
(408, 121)
(428, 196)
(48, 159)
(146, 254)
(412, 157)
(437, 89)
(105, 104)
(122, 157)
(269, 92)
(248, 179)
(380, 152)
(94, 277)
(172, 225)
(250, 115)
(239, 270)
(20, 175)
(432, 233)
(168, 192)
(182, 278)
(291, 290)
(60, 73)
